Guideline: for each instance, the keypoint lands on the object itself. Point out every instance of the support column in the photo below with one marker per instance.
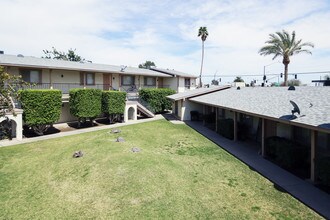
(182, 110)
(263, 121)
(119, 82)
(203, 115)
(235, 126)
(216, 119)
(50, 79)
(313, 146)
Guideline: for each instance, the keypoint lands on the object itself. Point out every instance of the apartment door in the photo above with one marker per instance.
(106, 81)
(160, 82)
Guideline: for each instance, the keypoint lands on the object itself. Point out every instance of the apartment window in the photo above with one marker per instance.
(187, 82)
(90, 79)
(87, 78)
(127, 80)
(31, 76)
(149, 81)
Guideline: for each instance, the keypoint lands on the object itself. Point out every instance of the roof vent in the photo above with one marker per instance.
(20, 55)
(292, 88)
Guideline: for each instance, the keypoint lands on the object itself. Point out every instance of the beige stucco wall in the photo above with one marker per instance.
(65, 114)
(190, 106)
(98, 78)
(13, 70)
(68, 76)
(171, 83)
(181, 87)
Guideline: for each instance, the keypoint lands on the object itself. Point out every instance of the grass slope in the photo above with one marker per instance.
(178, 174)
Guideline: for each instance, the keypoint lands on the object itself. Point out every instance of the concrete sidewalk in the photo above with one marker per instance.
(5, 143)
(248, 154)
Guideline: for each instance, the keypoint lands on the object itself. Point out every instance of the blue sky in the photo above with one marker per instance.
(129, 32)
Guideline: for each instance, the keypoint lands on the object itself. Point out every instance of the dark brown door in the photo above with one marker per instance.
(106, 81)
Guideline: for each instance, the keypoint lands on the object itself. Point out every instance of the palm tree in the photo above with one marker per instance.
(285, 45)
(202, 32)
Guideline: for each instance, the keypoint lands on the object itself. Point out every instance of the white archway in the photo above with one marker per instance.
(130, 111)
(17, 123)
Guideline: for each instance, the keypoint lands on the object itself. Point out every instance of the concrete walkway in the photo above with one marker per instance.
(248, 154)
(5, 143)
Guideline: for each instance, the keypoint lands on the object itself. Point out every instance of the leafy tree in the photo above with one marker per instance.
(238, 79)
(9, 85)
(284, 45)
(147, 65)
(60, 55)
(294, 82)
(203, 33)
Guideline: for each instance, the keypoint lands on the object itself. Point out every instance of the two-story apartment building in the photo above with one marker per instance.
(64, 75)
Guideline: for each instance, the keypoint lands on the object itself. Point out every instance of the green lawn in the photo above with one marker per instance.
(177, 175)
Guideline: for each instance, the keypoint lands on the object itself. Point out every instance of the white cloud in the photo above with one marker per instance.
(130, 32)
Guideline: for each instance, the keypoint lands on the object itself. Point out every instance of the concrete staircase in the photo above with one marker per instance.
(143, 110)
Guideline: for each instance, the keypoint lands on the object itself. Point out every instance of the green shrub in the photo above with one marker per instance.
(156, 98)
(113, 104)
(226, 128)
(85, 103)
(323, 170)
(41, 108)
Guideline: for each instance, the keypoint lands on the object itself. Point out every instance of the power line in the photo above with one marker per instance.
(271, 74)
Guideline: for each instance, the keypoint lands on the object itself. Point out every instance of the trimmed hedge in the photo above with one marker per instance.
(226, 128)
(85, 103)
(113, 103)
(156, 98)
(42, 108)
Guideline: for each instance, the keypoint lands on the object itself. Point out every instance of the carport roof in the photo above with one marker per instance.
(196, 92)
(43, 63)
(173, 72)
(274, 102)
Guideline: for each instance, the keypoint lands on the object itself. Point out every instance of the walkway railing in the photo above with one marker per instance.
(65, 87)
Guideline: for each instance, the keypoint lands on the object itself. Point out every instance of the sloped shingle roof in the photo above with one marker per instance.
(34, 62)
(173, 72)
(274, 102)
(196, 92)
